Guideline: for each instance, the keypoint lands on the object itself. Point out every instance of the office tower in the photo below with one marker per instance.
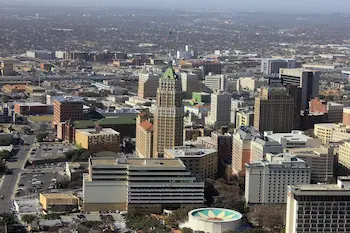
(319, 207)
(67, 108)
(216, 82)
(274, 110)
(244, 117)
(235, 106)
(344, 156)
(190, 84)
(147, 86)
(307, 80)
(271, 66)
(295, 92)
(267, 180)
(142, 185)
(220, 112)
(200, 161)
(6, 68)
(346, 116)
(319, 159)
(249, 145)
(144, 135)
(98, 139)
(168, 114)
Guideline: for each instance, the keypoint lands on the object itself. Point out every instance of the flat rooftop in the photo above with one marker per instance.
(32, 104)
(137, 162)
(293, 136)
(58, 195)
(190, 152)
(94, 132)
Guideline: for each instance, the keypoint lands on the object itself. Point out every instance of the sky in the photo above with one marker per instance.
(239, 5)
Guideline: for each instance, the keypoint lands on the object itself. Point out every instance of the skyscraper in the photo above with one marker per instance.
(274, 110)
(168, 115)
(220, 113)
(147, 86)
(307, 80)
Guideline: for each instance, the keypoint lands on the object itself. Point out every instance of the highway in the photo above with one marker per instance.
(10, 182)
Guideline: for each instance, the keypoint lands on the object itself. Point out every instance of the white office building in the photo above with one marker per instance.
(271, 66)
(319, 208)
(142, 184)
(266, 180)
(216, 82)
(294, 139)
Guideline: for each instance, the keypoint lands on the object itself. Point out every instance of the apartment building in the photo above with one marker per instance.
(244, 117)
(200, 161)
(267, 180)
(319, 207)
(145, 185)
(98, 139)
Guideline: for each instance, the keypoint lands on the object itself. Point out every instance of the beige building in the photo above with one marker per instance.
(147, 86)
(274, 110)
(346, 116)
(202, 162)
(58, 202)
(98, 139)
(328, 132)
(344, 155)
(168, 114)
(244, 118)
(144, 136)
(144, 185)
(319, 159)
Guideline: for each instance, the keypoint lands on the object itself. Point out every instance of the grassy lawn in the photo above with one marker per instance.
(43, 118)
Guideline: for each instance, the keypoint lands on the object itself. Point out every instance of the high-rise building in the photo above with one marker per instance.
(307, 80)
(274, 110)
(202, 162)
(328, 132)
(244, 117)
(168, 114)
(220, 112)
(319, 207)
(267, 180)
(147, 86)
(235, 106)
(144, 185)
(272, 66)
(216, 82)
(67, 108)
(144, 135)
(190, 84)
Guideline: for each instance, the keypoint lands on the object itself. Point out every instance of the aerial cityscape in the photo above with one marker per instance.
(170, 119)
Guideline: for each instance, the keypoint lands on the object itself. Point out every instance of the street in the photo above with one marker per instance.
(10, 181)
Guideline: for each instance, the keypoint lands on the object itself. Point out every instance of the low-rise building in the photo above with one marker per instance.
(202, 162)
(58, 202)
(145, 185)
(267, 180)
(294, 139)
(75, 170)
(320, 160)
(98, 139)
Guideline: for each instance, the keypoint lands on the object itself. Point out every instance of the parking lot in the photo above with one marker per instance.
(47, 153)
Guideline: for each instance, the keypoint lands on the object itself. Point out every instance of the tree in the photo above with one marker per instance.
(5, 155)
(186, 230)
(270, 217)
(40, 136)
(5, 98)
(177, 217)
(28, 218)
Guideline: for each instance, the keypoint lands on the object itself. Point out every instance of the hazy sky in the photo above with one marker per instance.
(247, 5)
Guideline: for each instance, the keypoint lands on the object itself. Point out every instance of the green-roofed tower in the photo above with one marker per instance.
(168, 116)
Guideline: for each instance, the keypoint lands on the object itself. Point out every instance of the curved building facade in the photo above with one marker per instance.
(214, 220)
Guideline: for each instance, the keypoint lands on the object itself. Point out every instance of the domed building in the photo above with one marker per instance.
(213, 220)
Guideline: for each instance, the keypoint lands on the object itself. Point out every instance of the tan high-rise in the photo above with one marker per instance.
(168, 115)
(274, 110)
